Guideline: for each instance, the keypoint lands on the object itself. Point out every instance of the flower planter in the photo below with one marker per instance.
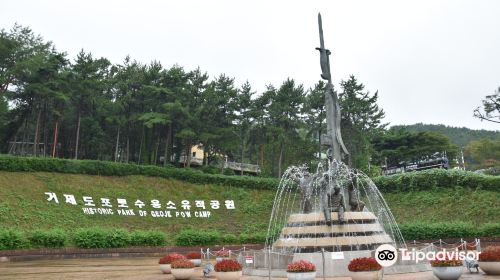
(182, 273)
(448, 272)
(196, 262)
(490, 268)
(165, 268)
(366, 275)
(230, 275)
(301, 275)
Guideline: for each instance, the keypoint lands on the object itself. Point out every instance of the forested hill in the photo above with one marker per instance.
(459, 136)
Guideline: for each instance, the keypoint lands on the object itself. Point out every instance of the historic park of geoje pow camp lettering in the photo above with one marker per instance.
(249, 140)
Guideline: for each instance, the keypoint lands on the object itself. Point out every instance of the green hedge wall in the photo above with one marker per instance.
(422, 231)
(107, 168)
(433, 178)
(116, 238)
(413, 181)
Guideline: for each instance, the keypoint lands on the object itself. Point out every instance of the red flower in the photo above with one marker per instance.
(193, 255)
(301, 266)
(170, 258)
(182, 263)
(364, 264)
(228, 265)
(446, 262)
(490, 254)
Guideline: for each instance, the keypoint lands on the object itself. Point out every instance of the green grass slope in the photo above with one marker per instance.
(23, 203)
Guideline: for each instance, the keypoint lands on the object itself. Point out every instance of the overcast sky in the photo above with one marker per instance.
(431, 61)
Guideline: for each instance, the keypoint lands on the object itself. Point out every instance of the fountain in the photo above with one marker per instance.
(330, 215)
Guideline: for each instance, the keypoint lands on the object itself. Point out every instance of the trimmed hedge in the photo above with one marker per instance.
(107, 168)
(421, 231)
(434, 178)
(48, 238)
(117, 238)
(148, 238)
(11, 239)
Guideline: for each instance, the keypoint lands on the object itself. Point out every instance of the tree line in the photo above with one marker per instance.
(132, 112)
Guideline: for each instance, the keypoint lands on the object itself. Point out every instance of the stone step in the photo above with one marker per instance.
(333, 241)
(334, 229)
(319, 217)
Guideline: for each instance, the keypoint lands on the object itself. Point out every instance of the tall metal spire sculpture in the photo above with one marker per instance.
(333, 138)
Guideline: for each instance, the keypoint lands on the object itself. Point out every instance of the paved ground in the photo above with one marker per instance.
(139, 268)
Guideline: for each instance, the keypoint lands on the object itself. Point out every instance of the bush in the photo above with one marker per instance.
(489, 230)
(91, 238)
(107, 168)
(148, 238)
(192, 237)
(433, 178)
(48, 238)
(101, 238)
(421, 231)
(229, 239)
(11, 239)
(117, 238)
(253, 238)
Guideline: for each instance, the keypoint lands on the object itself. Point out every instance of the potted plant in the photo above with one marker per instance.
(365, 269)
(228, 270)
(166, 261)
(301, 270)
(222, 255)
(489, 260)
(182, 269)
(447, 269)
(194, 257)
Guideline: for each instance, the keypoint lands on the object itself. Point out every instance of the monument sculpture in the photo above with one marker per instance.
(354, 202)
(321, 216)
(305, 180)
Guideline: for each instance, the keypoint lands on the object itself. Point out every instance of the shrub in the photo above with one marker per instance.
(193, 255)
(90, 238)
(446, 262)
(101, 238)
(229, 239)
(117, 238)
(48, 238)
(490, 254)
(489, 230)
(422, 231)
(364, 264)
(171, 258)
(433, 178)
(182, 263)
(148, 238)
(227, 266)
(11, 239)
(106, 168)
(301, 266)
(191, 237)
(255, 238)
